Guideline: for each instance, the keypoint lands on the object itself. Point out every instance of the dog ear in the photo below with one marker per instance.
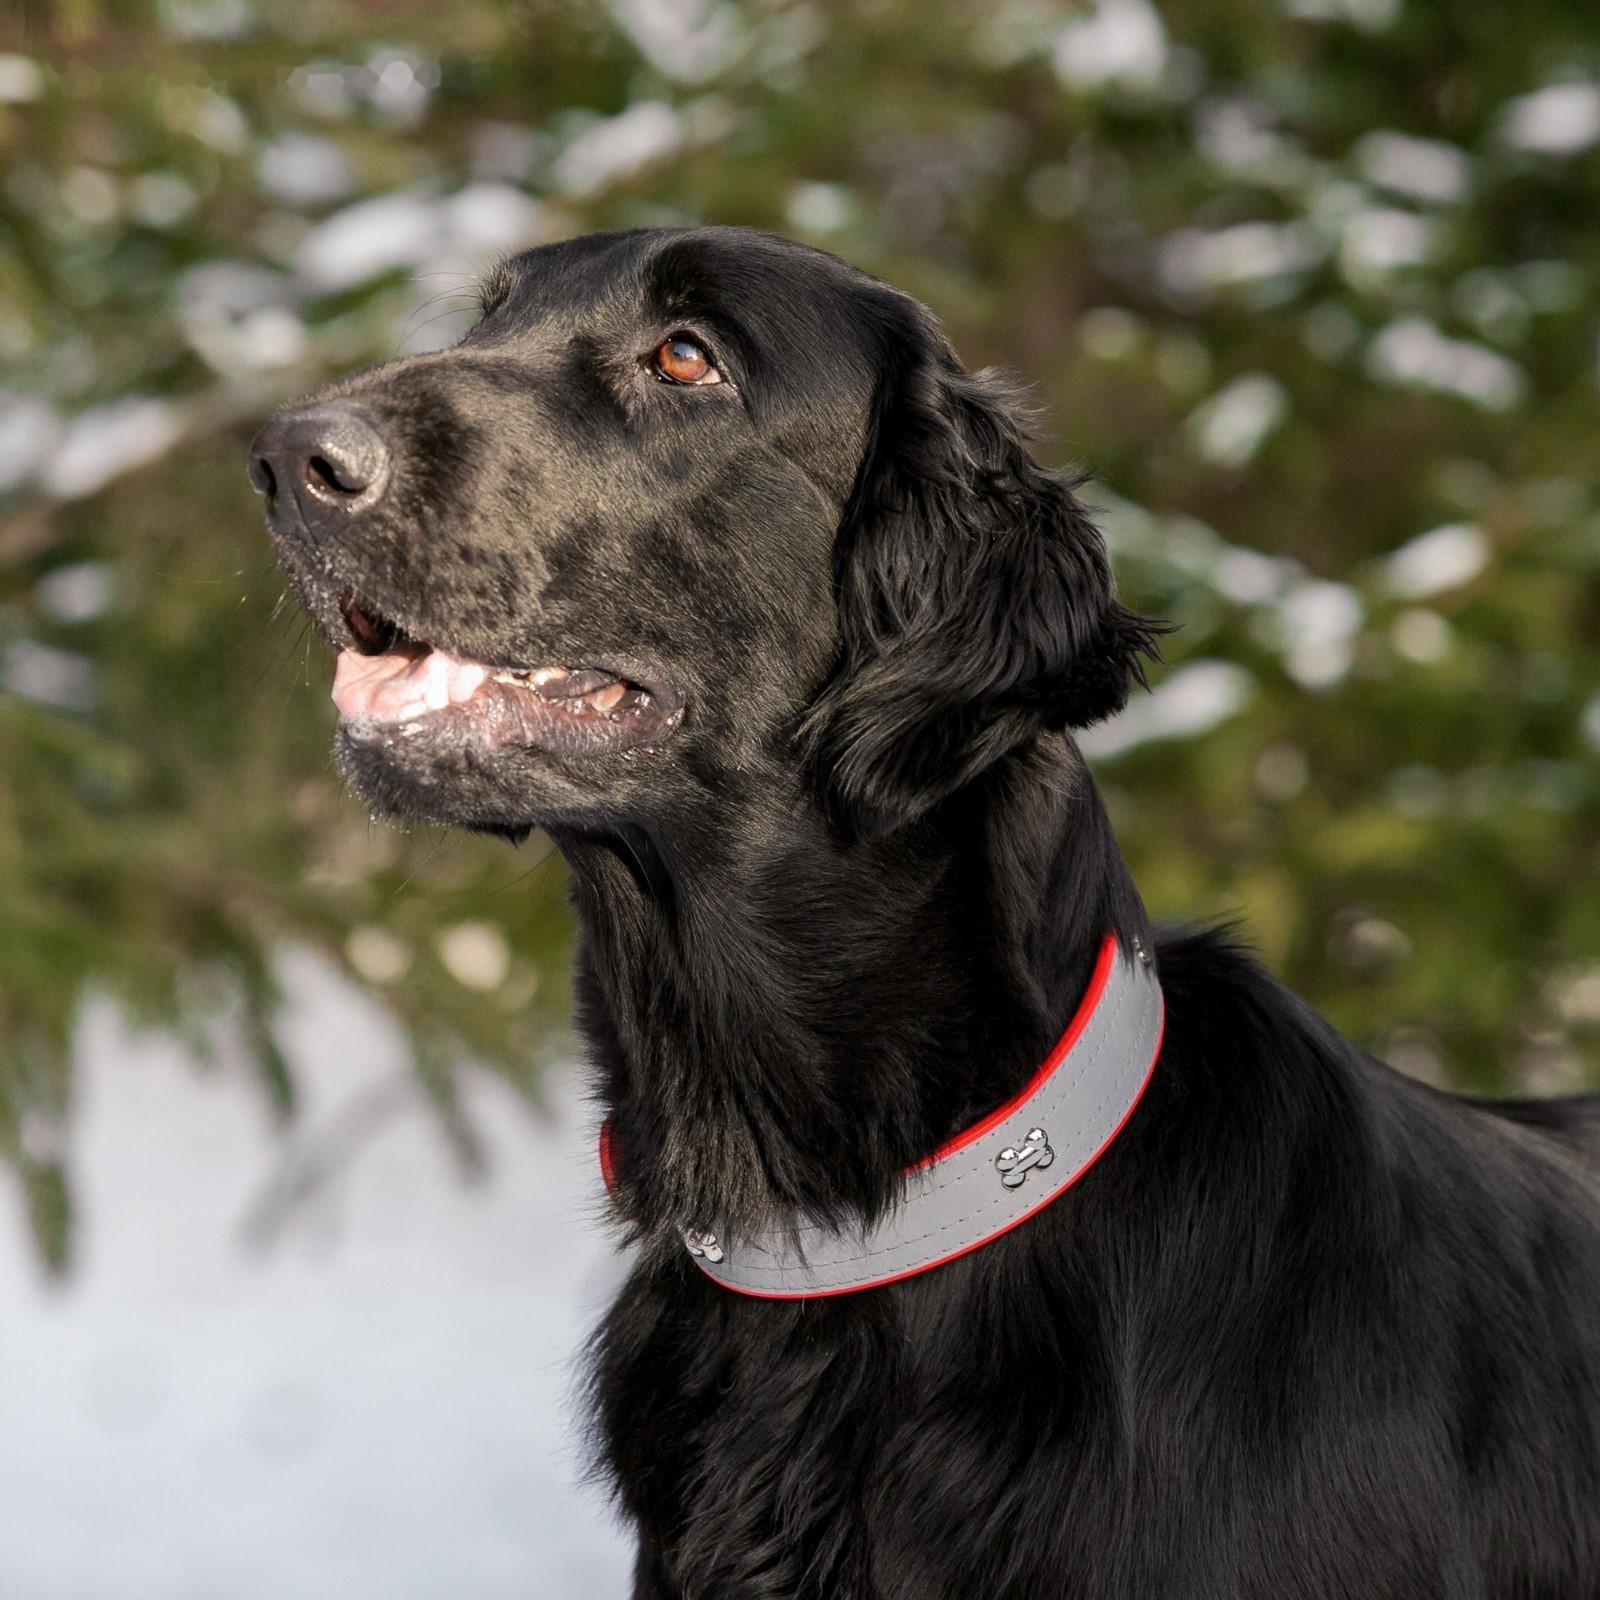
(975, 597)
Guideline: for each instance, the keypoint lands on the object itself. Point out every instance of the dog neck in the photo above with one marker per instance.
(782, 1020)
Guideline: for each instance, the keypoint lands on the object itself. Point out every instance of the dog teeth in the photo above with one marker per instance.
(530, 677)
(612, 700)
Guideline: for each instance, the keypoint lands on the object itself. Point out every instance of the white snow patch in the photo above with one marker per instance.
(397, 84)
(21, 80)
(394, 231)
(212, 118)
(1193, 260)
(1412, 352)
(1377, 240)
(1190, 701)
(1421, 635)
(1237, 133)
(367, 239)
(1234, 423)
(91, 195)
(612, 147)
(52, 677)
(1248, 577)
(1421, 169)
(1119, 42)
(690, 40)
(77, 592)
(206, 19)
(1560, 120)
(1371, 16)
(819, 207)
(373, 1399)
(484, 218)
(29, 428)
(229, 288)
(1443, 558)
(264, 341)
(305, 169)
(107, 440)
(161, 199)
(236, 316)
(1314, 625)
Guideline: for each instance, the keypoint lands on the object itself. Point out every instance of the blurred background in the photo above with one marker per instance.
(296, 1200)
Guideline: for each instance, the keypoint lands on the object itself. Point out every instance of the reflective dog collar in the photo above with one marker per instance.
(986, 1181)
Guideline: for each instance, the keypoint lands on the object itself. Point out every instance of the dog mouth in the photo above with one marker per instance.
(389, 686)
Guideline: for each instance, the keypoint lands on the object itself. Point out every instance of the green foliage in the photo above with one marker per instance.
(1299, 282)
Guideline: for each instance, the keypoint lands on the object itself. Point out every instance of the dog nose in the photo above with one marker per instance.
(321, 463)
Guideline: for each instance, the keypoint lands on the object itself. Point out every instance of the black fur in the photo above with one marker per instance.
(1308, 1329)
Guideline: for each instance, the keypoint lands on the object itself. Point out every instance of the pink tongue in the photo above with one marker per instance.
(397, 687)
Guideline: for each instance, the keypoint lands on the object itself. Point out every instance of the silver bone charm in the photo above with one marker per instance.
(704, 1245)
(1014, 1164)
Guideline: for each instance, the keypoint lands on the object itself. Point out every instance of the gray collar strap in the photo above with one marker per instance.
(989, 1179)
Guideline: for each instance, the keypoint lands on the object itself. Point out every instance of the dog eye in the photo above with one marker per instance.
(681, 360)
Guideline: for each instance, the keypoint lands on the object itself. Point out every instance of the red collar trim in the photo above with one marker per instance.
(610, 1166)
(1080, 1020)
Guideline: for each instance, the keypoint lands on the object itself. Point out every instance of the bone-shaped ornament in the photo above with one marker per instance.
(1015, 1162)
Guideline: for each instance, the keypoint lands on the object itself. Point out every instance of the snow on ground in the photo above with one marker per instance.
(370, 1400)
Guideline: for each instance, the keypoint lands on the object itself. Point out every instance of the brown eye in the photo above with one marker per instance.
(681, 360)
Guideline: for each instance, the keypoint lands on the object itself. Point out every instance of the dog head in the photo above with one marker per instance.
(685, 509)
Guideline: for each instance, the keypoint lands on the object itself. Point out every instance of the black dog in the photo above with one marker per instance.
(703, 553)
